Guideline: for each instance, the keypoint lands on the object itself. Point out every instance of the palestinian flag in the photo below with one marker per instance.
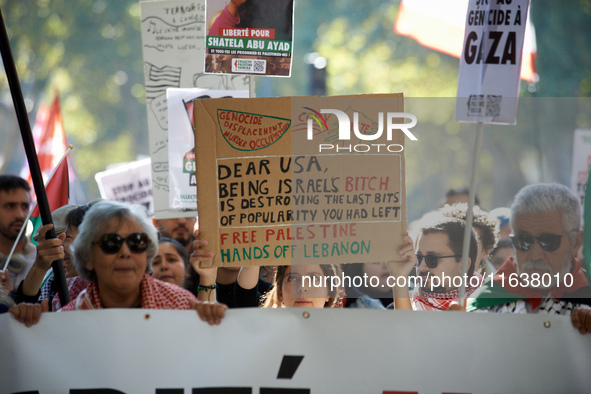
(57, 190)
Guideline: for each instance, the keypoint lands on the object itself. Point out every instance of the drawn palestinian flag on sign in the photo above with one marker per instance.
(247, 132)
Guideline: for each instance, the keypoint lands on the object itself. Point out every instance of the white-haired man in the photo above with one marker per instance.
(543, 276)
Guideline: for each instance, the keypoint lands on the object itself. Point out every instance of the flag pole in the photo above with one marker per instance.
(20, 234)
(29, 144)
(470, 214)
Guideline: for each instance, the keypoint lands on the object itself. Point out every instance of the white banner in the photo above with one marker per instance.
(181, 143)
(488, 84)
(276, 350)
(128, 182)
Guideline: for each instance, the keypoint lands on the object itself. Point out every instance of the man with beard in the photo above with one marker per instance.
(15, 201)
(543, 276)
(179, 229)
(439, 262)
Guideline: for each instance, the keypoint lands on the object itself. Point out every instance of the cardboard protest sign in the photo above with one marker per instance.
(488, 84)
(249, 37)
(129, 182)
(181, 142)
(173, 44)
(289, 181)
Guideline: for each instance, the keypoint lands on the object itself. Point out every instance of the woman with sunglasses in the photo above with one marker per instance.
(438, 267)
(114, 250)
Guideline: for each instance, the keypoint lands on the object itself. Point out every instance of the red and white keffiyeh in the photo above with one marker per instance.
(75, 286)
(430, 301)
(155, 295)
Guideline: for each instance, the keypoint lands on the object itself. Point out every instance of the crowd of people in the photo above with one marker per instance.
(523, 259)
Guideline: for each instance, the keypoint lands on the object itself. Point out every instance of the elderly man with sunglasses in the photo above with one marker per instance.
(543, 276)
(438, 267)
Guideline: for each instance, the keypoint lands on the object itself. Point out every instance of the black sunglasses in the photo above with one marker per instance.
(431, 260)
(524, 242)
(112, 243)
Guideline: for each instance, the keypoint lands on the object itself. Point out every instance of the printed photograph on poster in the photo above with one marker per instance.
(249, 37)
(181, 143)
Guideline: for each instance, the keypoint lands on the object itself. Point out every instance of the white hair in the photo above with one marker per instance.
(546, 197)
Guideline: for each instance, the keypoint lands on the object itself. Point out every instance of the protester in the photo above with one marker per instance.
(15, 201)
(542, 276)
(59, 219)
(250, 289)
(502, 251)
(40, 281)
(5, 301)
(114, 250)
(367, 296)
(180, 229)
(170, 262)
(304, 286)
(48, 251)
(502, 214)
(453, 196)
(267, 272)
(229, 292)
(439, 257)
(74, 282)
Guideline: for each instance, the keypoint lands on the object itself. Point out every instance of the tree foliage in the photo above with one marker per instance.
(90, 52)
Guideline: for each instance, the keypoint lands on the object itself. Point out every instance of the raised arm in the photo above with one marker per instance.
(400, 271)
(207, 275)
(48, 250)
(248, 277)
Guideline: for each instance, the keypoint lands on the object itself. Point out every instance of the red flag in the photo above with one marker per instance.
(50, 141)
(439, 25)
(57, 190)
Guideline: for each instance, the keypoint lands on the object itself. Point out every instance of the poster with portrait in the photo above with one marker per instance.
(181, 142)
(253, 37)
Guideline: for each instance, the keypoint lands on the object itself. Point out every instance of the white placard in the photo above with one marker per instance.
(173, 42)
(490, 65)
(181, 143)
(128, 182)
(272, 350)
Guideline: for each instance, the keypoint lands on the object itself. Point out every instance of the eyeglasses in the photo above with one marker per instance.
(112, 243)
(431, 260)
(524, 242)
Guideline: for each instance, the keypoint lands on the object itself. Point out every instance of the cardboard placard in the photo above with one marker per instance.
(301, 180)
